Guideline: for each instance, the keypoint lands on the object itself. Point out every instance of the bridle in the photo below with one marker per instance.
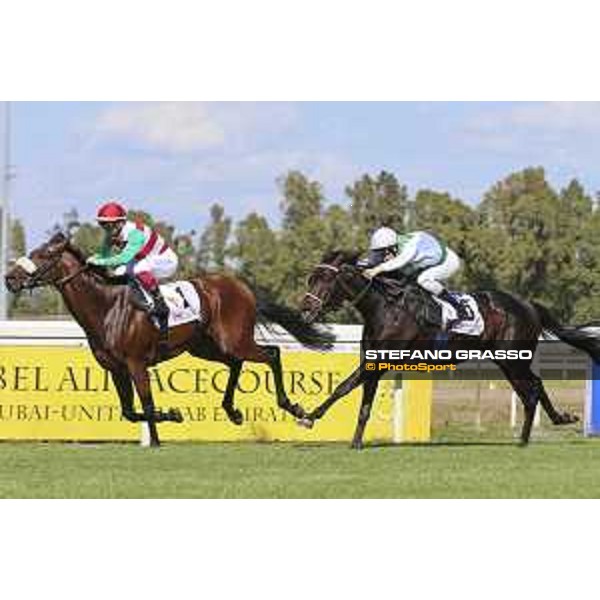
(37, 273)
(354, 298)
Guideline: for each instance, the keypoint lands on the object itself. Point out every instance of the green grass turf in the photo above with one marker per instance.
(480, 468)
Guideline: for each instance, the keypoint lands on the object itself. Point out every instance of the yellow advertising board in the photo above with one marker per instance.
(52, 393)
(416, 410)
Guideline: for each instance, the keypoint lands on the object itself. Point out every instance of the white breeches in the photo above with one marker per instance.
(162, 266)
(430, 278)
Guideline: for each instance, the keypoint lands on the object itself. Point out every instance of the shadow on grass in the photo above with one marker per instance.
(442, 444)
(511, 443)
(424, 445)
(484, 443)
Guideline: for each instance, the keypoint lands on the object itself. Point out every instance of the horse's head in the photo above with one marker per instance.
(44, 265)
(330, 283)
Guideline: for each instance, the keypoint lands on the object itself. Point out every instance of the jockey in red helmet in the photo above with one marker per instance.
(133, 248)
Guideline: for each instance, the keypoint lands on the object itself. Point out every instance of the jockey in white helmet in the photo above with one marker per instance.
(416, 252)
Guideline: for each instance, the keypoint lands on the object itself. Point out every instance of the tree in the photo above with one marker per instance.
(376, 202)
(453, 222)
(88, 237)
(17, 238)
(18, 248)
(213, 249)
(47, 301)
(522, 213)
(303, 236)
(339, 229)
(141, 216)
(183, 245)
(256, 253)
(449, 218)
(68, 223)
(575, 278)
(524, 237)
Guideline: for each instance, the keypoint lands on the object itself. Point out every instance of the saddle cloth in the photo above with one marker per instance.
(183, 302)
(474, 325)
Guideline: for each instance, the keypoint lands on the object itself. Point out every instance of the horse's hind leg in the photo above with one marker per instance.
(525, 389)
(271, 355)
(530, 389)
(234, 415)
(273, 359)
(206, 349)
(139, 374)
(557, 418)
(524, 384)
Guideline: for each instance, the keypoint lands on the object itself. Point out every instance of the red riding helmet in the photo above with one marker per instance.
(111, 212)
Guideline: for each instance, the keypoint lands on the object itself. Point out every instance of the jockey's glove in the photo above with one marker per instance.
(370, 273)
(96, 260)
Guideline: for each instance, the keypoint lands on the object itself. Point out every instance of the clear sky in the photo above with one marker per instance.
(175, 159)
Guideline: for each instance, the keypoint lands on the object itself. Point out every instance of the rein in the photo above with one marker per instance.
(354, 298)
(62, 282)
(37, 273)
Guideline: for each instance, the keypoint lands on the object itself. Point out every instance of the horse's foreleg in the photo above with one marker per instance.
(124, 387)
(344, 388)
(141, 380)
(369, 389)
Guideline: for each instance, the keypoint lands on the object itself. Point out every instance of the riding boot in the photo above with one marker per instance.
(161, 312)
(461, 310)
(138, 297)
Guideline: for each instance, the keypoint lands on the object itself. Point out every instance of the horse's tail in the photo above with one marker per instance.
(581, 337)
(308, 334)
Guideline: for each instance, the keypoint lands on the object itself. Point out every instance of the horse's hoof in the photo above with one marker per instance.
(236, 417)
(356, 446)
(131, 417)
(175, 415)
(566, 419)
(305, 422)
(298, 412)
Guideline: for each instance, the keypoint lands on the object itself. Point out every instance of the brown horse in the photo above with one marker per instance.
(124, 341)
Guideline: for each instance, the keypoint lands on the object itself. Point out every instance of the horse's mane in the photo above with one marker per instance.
(60, 238)
(98, 273)
(77, 252)
(348, 257)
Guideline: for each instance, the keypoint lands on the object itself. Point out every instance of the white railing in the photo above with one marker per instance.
(69, 333)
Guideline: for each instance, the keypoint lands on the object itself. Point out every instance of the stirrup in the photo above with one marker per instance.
(159, 305)
(162, 346)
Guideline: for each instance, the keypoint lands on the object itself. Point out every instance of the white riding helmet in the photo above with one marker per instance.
(384, 237)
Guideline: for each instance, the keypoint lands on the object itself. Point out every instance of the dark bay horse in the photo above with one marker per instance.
(507, 319)
(124, 341)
